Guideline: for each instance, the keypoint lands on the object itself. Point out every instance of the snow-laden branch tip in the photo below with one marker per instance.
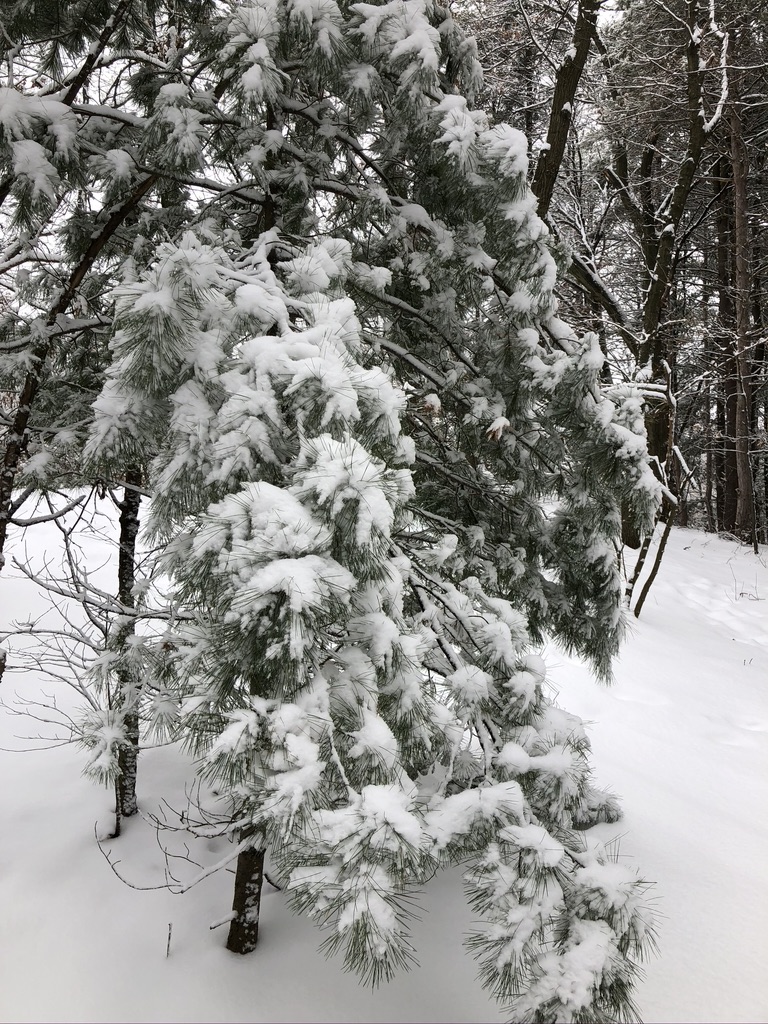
(710, 125)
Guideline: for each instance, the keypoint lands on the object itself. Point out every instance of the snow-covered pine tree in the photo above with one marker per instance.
(371, 510)
(369, 719)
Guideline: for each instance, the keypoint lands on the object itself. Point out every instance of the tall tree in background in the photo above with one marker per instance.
(743, 366)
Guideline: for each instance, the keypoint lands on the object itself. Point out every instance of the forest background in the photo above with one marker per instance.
(650, 131)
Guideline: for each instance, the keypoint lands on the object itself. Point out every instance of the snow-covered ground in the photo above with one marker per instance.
(681, 737)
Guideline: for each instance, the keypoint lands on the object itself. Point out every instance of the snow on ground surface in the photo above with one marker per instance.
(681, 737)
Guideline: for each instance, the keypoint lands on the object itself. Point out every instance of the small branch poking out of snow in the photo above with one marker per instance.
(223, 920)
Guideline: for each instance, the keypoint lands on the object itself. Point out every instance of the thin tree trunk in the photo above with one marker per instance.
(728, 476)
(566, 83)
(669, 508)
(745, 503)
(670, 518)
(719, 457)
(730, 467)
(129, 685)
(639, 564)
(710, 471)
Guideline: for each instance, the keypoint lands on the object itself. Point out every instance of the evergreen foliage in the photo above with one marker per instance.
(382, 468)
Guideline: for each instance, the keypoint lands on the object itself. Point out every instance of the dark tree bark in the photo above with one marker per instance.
(730, 467)
(566, 83)
(246, 904)
(709, 506)
(727, 474)
(668, 518)
(129, 686)
(745, 500)
(664, 243)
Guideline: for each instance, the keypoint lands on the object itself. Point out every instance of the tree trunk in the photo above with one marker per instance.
(710, 471)
(129, 686)
(719, 459)
(126, 803)
(667, 517)
(728, 477)
(566, 83)
(745, 502)
(249, 872)
(246, 904)
(759, 372)
(730, 468)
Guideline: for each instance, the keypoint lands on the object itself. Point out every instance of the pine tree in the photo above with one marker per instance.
(382, 471)
(382, 468)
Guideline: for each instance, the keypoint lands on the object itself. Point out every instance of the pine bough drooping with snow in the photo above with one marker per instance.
(372, 719)
(365, 562)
